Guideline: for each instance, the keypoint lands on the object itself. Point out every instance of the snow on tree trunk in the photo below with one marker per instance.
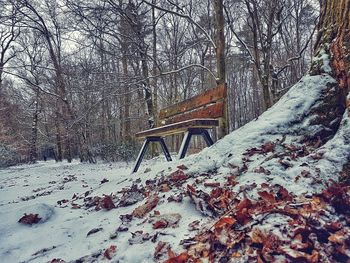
(334, 38)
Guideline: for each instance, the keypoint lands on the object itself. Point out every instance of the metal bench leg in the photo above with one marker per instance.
(207, 138)
(144, 149)
(141, 155)
(165, 149)
(185, 143)
(188, 135)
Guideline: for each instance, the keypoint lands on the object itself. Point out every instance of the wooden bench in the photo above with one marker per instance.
(193, 116)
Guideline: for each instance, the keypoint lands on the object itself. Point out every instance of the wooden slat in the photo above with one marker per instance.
(207, 97)
(212, 111)
(178, 127)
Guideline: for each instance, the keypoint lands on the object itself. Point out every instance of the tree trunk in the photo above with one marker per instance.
(333, 39)
(334, 29)
(220, 41)
(33, 154)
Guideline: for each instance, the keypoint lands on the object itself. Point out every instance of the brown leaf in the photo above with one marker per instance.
(160, 224)
(166, 220)
(151, 203)
(110, 252)
(301, 256)
(191, 189)
(178, 176)
(182, 258)
(262, 170)
(107, 203)
(211, 184)
(182, 167)
(245, 203)
(231, 180)
(283, 194)
(267, 197)
(160, 249)
(338, 237)
(164, 188)
(29, 219)
(193, 225)
(243, 216)
(333, 226)
(225, 221)
(268, 147)
(258, 236)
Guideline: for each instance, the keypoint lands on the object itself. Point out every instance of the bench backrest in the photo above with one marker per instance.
(209, 104)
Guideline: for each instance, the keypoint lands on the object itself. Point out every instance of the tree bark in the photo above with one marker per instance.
(220, 41)
(33, 154)
(334, 39)
(334, 29)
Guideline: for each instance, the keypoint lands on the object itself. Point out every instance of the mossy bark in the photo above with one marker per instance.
(334, 38)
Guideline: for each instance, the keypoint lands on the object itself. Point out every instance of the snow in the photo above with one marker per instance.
(62, 232)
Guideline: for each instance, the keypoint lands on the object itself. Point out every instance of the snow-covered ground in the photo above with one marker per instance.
(62, 232)
(169, 202)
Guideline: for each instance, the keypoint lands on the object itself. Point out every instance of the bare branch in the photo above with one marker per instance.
(189, 18)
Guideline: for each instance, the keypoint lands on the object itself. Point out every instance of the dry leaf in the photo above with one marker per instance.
(29, 219)
(151, 203)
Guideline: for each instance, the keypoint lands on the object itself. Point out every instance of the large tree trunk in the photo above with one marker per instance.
(334, 29)
(334, 40)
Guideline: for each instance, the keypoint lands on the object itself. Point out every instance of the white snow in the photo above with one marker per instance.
(62, 233)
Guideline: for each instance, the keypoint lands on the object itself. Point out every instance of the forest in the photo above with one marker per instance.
(79, 78)
(264, 84)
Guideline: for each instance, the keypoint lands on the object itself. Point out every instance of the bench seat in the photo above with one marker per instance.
(179, 127)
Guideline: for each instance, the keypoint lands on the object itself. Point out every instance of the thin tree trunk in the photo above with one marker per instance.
(220, 41)
(33, 154)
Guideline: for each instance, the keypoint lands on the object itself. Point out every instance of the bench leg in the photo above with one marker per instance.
(207, 138)
(144, 149)
(141, 155)
(187, 138)
(184, 145)
(165, 149)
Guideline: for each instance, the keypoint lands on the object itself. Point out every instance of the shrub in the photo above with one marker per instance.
(8, 156)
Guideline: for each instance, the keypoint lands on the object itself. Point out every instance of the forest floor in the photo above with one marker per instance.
(264, 193)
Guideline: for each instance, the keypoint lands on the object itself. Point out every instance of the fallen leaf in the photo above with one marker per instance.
(178, 176)
(182, 258)
(211, 184)
(166, 220)
(29, 219)
(267, 197)
(283, 194)
(107, 203)
(333, 226)
(182, 167)
(193, 225)
(160, 249)
(225, 221)
(151, 203)
(160, 224)
(110, 252)
(338, 237)
(139, 237)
